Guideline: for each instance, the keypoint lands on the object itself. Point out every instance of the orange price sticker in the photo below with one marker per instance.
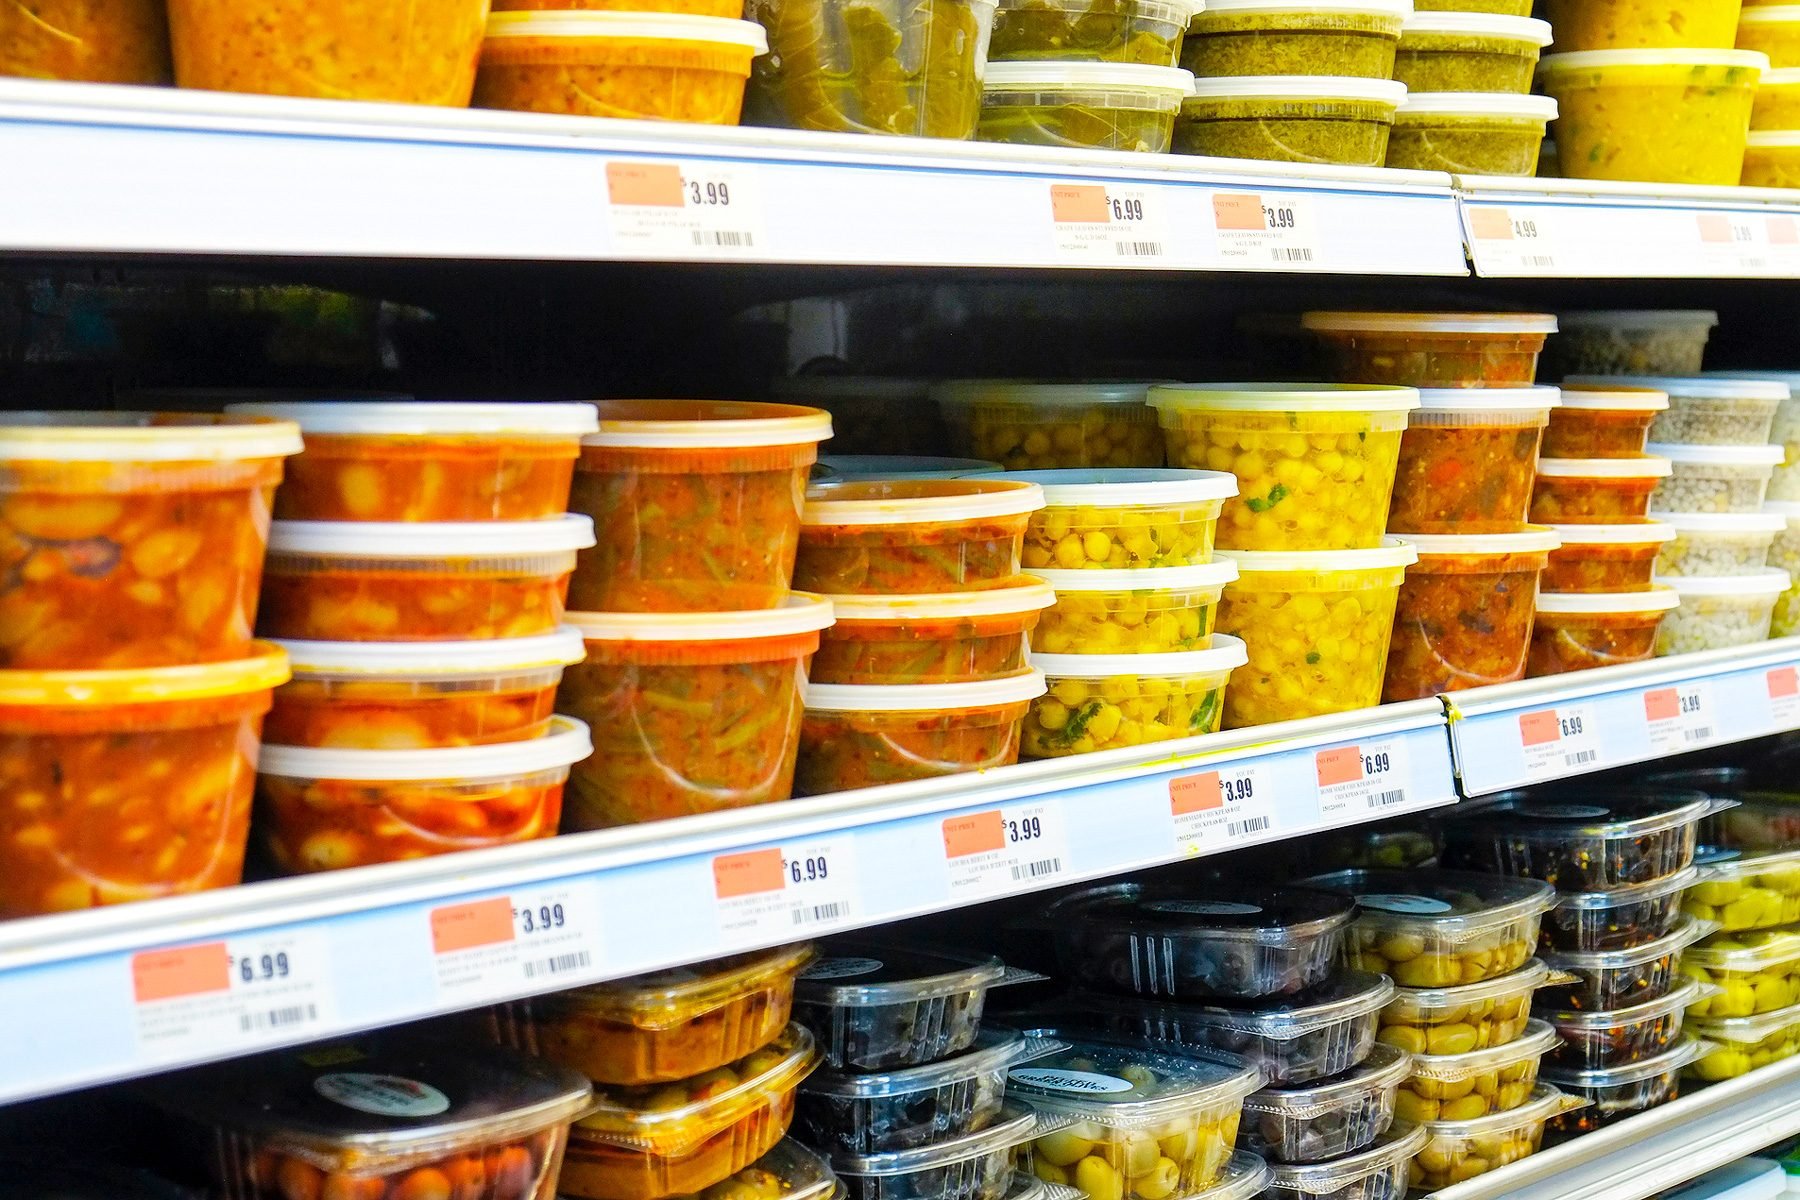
(1491, 224)
(467, 926)
(648, 185)
(1236, 211)
(748, 874)
(1195, 793)
(1784, 681)
(1344, 764)
(1079, 203)
(976, 833)
(1661, 705)
(184, 971)
(1539, 728)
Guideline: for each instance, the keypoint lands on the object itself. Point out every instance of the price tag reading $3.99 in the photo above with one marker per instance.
(1271, 228)
(1109, 224)
(1221, 808)
(993, 852)
(686, 209)
(502, 946)
(1680, 718)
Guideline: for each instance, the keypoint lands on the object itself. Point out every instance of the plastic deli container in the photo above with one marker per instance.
(1660, 116)
(1467, 460)
(856, 736)
(381, 581)
(1573, 631)
(851, 67)
(1777, 104)
(1742, 1044)
(1464, 616)
(703, 8)
(325, 809)
(878, 1006)
(663, 1027)
(1617, 1038)
(1757, 891)
(947, 637)
(330, 49)
(1784, 553)
(1290, 118)
(1602, 344)
(1122, 1095)
(389, 1116)
(1459, 1150)
(102, 764)
(902, 466)
(697, 504)
(413, 695)
(1285, 37)
(1116, 518)
(690, 712)
(653, 66)
(1082, 105)
(1461, 1019)
(790, 1171)
(1470, 133)
(1462, 1087)
(1105, 701)
(875, 416)
(1606, 558)
(1773, 29)
(672, 1139)
(1140, 31)
(403, 460)
(976, 1166)
(1469, 52)
(1719, 611)
(1426, 928)
(1621, 918)
(1614, 1093)
(1329, 1119)
(1032, 425)
(134, 539)
(1718, 543)
(1758, 972)
(1155, 610)
(1433, 350)
(1708, 410)
(1594, 842)
(1609, 979)
(1785, 430)
(1378, 1173)
(1596, 490)
(1599, 421)
(1631, 24)
(1772, 159)
(79, 41)
(1185, 945)
(913, 535)
(1317, 625)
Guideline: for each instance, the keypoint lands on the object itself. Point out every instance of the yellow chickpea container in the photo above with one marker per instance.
(1124, 518)
(1031, 425)
(1317, 625)
(1315, 462)
(1774, 30)
(86, 41)
(1159, 610)
(1772, 159)
(1777, 103)
(1643, 24)
(1109, 701)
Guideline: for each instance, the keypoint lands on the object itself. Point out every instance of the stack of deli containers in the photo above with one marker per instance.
(418, 566)
(1467, 107)
(1783, 496)
(132, 692)
(1772, 155)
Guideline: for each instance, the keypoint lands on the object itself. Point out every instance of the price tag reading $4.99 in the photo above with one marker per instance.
(245, 991)
(1221, 808)
(705, 210)
(1272, 228)
(1559, 740)
(764, 895)
(1109, 224)
(1680, 718)
(1369, 778)
(505, 945)
(994, 852)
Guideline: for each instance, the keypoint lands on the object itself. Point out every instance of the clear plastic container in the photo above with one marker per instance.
(1758, 970)
(1594, 840)
(663, 1027)
(1660, 116)
(1246, 942)
(1605, 558)
(1618, 918)
(1106, 701)
(1777, 104)
(1426, 928)
(1378, 1173)
(666, 1140)
(1317, 625)
(1152, 610)
(1774, 30)
(949, 637)
(1082, 105)
(976, 1166)
(1742, 1044)
(1720, 610)
(1602, 345)
(877, 1006)
(1762, 821)
(1138, 31)
(1470, 133)
(326, 809)
(403, 460)
(1635, 24)
(857, 736)
(1784, 554)
(1464, 615)
(1035, 425)
(790, 1171)
(1462, 1087)
(413, 695)
(1574, 631)
(1608, 979)
(100, 765)
(1596, 421)
(1718, 543)
(1614, 1093)
(1467, 460)
(1329, 1119)
(1471, 1016)
(1620, 1037)
(1459, 1150)
(1758, 891)
(690, 712)
(133, 539)
(1706, 411)
(1285, 37)
(1469, 52)
(1398, 842)
(913, 535)
(1117, 518)
(1434, 349)
(87, 41)
(874, 416)
(1772, 160)
(1319, 119)
(1785, 431)
(1596, 490)
(727, 477)
(903, 466)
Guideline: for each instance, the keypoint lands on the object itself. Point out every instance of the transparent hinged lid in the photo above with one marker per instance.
(1687, 931)
(854, 974)
(1454, 905)
(1599, 815)
(1535, 1042)
(1545, 1102)
(1245, 1175)
(1680, 1055)
(1637, 893)
(1017, 1124)
(1349, 995)
(1683, 993)
(1270, 916)
(1030, 1187)
(1384, 1068)
(1401, 1141)
(1747, 1031)
(798, 1172)
(1784, 862)
(1747, 952)
(672, 998)
(1129, 1084)
(1424, 1002)
(996, 1049)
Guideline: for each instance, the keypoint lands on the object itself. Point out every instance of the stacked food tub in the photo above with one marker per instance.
(1784, 487)
(1468, 77)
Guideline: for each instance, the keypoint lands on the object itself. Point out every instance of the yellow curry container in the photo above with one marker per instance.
(1643, 24)
(1772, 159)
(1777, 100)
(86, 41)
(1773, 30)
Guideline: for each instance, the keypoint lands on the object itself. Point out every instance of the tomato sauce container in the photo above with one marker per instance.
(87, 41)
(1106, 701)
(943, 637)
(1602, 421)
(1433, 350)
(1573, 631)
(1468, 459)
(1606, 558)
(913, 535)
(1595, 490)
(1465, 610)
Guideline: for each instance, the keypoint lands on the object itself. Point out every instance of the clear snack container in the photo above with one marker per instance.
(1773, 29)
(1757, 971)
(1284, 37)
(1186, 944)
(1625, 24)
(1145, 1123)
(80, 41)
(1742, 1044)
(1138, 31)
(1605, 558)
(1469, 52)
(1718, 543)
(1758, 891)
(1105, 701)
(790, 1171)
(663, 1027)
(1082, 105)
(1620, 918)
(1152, 610)
(1784, 553)
(1614, 1093)
(1399, 842)
(1706, 410)
(1471, 1016)
(1428, 928)
(1322, 119)
(1608, 979)
(1777, 104)
(1573, 631)
(1622, 1036)
(323, 809)
(1714, 479)
(1040, 425)
(902, 466)
(876, 1006)
(1100, 519)
(1592, 841)
(1467, 460)
(1462, 1087)
(1598, 491)
(1720, 610)
(388, 1117)
(1377, 1173)
(1597, 421)
(1602, 345)
(1433, 349)
(872, 416)
(946, 637)
(976, 1166)
(1459, 1150)
(1328, 1119)
(882, 536)
(1470, 133)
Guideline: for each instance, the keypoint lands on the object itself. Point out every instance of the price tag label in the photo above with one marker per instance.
(991, 853)
(700, 210)
(1559, 740)
(1264, 230)
(1784, 698)
(1680, 718)
(1097, 224)
(1227, 807)
(242, 992)
(1736, 240)
(784, 892)
(1366, 778)
(1505, 239)
(505, 945)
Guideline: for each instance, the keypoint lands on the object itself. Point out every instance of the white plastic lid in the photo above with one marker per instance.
(1659, 599)
(433, 660)
(902, 502)
(1119, 487)
(1047, 74)
(1282, 397)
(1300, 87)
(1647, 466)
(801, 612)
(1589, 60)
(1488, 399)
(143, 437)
(1769, 14)
(1478, 104)
(1031, 594)
(1529, 540)
(1429, 322)
(1593, 398)
(1760, 583)
(1707, 522)
(1773, 139)
(414, 418)
(905, 466)
(1226, 653)
(1480, 24)
(668, 27)
(1699, 387)
(1391, 553)
(1217, 573)
(1637, 318)
(567, 743)
(1641, 533)
(1779, 77)
(1718, 456)
(924, 697)
(432, 539)
(1034, 391)
(702, 424)
(1791, 378)
(1380, 8)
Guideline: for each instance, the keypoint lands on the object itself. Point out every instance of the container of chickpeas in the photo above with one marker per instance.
(1714, 479)
(1114, 518)
(1606, 558)
(1160, 610)
(1105, 701)
(1471, 1016)
(1315, 463)
(1596, 490)
(1028, 425)
(1461, 1087)
(1459, 1150)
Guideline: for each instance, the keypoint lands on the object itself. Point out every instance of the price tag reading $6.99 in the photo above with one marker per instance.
(764, 895)
(246, 991)
(1559, 740)
(1366, 778)
(1111, 224)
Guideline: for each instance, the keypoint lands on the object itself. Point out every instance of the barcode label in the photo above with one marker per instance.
(671, 210)
(1580, 758)
(762, 896)
(1036, 870)
(1700, 733)
(1383, 799)
(559, 964)
(1242, 828)
(988, 853)
(817, 913)
(1138, 249)
(232, 995)
(501, 946)
(294, 1014)
(1291, 253)
(1540, 261)
(723, 237)
(1219, 808)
